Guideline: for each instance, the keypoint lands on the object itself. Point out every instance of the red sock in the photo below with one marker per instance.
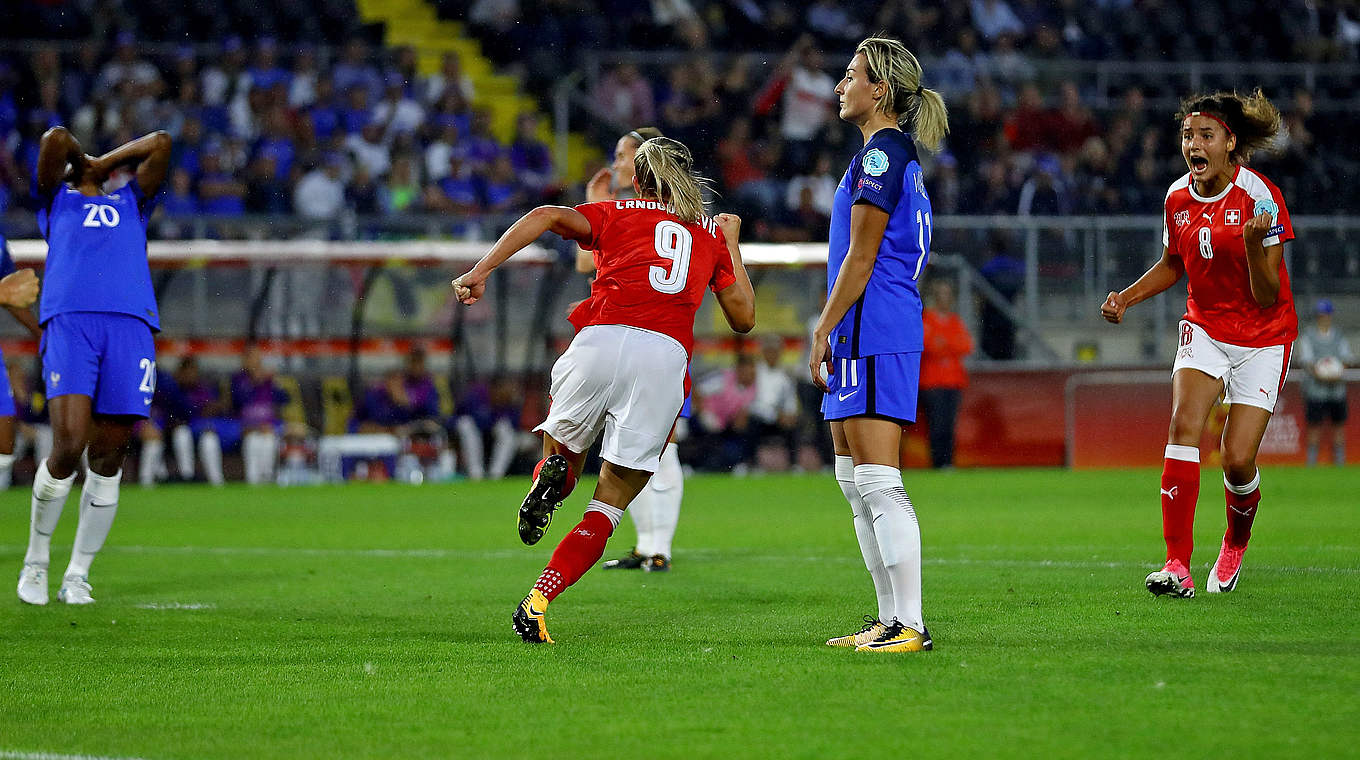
(1180, 491)
(577, 553)
(1241, 512)
(571, 477)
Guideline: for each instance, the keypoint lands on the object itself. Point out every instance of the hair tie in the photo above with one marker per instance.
(636, 135)
(919, 90)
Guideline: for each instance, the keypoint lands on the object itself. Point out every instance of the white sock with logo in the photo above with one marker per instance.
(49, 496)
(864, 532)
(98, 507)
(899, 537)
(668, 490)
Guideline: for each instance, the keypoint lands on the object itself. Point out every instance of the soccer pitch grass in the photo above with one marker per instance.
(374, 621)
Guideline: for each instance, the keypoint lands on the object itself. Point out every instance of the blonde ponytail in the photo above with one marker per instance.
(919, 111)
(665, 172)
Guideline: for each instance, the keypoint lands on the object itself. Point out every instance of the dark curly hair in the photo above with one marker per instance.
(1253, 119)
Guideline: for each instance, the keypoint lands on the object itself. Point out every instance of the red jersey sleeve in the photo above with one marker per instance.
(598, 215)
(723, 272)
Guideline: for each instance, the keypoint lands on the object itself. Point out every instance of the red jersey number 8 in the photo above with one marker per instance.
(673, 243)
(1206, 249)
(1187, 334)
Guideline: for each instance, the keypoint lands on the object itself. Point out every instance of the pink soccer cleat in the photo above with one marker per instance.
(1173, 579)
(1223, 575)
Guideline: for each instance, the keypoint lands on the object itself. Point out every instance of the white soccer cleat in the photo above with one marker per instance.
(75, 589)
(33, 585)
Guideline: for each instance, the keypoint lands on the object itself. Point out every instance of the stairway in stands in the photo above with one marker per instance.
(414, 23)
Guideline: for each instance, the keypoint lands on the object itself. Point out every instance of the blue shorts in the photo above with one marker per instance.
(883, 385)
(7, 407)
(109, 357)
(685, 410)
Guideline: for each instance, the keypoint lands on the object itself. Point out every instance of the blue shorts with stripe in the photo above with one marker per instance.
(7, 405)
(109, 357)
(883, 385)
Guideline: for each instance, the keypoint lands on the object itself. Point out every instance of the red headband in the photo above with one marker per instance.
(1211, 116)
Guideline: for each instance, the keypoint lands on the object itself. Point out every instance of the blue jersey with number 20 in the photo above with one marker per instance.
(96, 253)
(887, 318)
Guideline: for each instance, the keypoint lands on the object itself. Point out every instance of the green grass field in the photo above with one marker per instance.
(373, 621)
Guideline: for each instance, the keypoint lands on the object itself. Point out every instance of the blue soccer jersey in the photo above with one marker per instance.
(7, 408)
(96, 254)
(887, 318)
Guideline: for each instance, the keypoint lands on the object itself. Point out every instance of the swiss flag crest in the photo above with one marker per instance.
(1233, 216)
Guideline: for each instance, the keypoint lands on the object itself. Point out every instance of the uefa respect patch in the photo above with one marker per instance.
(875, 162)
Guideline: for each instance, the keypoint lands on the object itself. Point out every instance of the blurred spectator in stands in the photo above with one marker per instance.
(266, 71)
(1325, 353)
(441, 149)
(994, 18)
(180, 199)
(956, 74)
(323, 115)
(480, 147)
(976, 133)
(78, 79)
(690, 100)
(353, 72)
(403, 398)
(830, 20)
(1073, 123)
(1045, 192)
(1095, 178)
(33, 429)
(449, 77)
(530, 156)
(256, 401)
(168, 410)
(801, 223)
(743, 165)
(398, 111)
(266, 193)
(127, 66)
(502, 191)
(625, 98)
(725, 434)
(458, 192)
(320, 194)
(369, 148)
(303, 78)
(774, 410)
(226, 80)
(821, 181)
(1029, 126)
(488, 411)
(220, 193)
(208, 424)
(400, 192)
(1006, 274)
(946, 189)
(943, 376)
(362, 194)
(807, 100)
(994, 193)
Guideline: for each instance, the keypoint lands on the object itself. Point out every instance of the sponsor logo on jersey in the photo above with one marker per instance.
(872, 185)
(1276, 230)
(1266, 206)
(1182, 218)
(1232, 216)
(1210, 217)
(875, 163)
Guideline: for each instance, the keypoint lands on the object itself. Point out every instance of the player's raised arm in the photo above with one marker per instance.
(150, 154)
(58, 149)
(566, 222)
(1263, 263)
(1160, 276)
(738, 300)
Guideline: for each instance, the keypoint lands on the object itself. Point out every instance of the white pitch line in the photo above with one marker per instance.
(11, 754)
(745, 554)
(176, 606)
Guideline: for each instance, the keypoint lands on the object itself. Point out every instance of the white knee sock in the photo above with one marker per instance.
(668, 490)
(260, 451)
(864, 532)
(152, 460)
(470, 441)
(49, 496)
(899, 537)
(503, 449)
(182, 441)
(643, 511)
(210, 452)
(6, 470)
(98, 506)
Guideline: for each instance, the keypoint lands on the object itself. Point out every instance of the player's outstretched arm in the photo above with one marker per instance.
(738, 300)
(1160, 276)
(18, 290)
(56, 150)
(149, 153)
(564, 221)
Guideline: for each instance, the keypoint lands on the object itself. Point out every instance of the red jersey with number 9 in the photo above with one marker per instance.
(651, 269)
(1206, 234)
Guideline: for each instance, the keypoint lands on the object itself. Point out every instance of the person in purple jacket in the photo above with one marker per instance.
(255, 401)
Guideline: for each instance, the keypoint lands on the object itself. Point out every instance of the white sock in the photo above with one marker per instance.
(668, 490)
(210, 452)
(6, 470)
(470, 441)
(260, 451)
(503, 449)
(249, 458)
(899, 537)
(49, 496)
(98, 506)
(643, 511)
(613, 513)
(152, 460)
(864, 532)
(182, 441)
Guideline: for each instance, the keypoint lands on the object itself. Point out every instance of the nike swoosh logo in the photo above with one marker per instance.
(844, 396)
(102, 506)
(146, 401)
(535, 613)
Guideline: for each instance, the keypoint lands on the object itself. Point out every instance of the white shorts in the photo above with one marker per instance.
(625, 381)
(1251, 376)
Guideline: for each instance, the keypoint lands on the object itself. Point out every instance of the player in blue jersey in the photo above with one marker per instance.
(868, 337)
(99, 360)
(8, 411)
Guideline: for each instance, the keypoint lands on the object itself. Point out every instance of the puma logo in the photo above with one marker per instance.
(1210, 217)
(1244, 512)
(1171, 494)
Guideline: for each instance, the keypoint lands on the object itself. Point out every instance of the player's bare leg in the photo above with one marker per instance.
(580, 549)
(1242, 435)
(110, 437)
(51, 484)
(1193, 396)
